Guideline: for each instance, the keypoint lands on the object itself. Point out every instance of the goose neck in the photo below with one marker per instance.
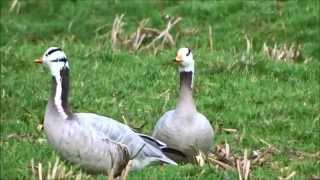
(186, 85)
(60, 89)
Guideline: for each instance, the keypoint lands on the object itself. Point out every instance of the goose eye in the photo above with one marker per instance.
(60, 60)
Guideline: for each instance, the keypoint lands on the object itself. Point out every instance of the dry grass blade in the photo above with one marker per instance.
(78, 177)
(40, 171)
(283, 52)
(166, 95)
(55, 168)
(210, 39)
(116, 30)
(227, 147)
(150, 31)
(165, 33)
(246, 165)
(57, 171)
(243, 166)
(200, 158)
(260, 156)
(63, 172)
(189, 31)
(222, 156)
(223, 152)
(49, 170)
(291, 175)
(21, 137)
(125, 172)
(69, 173)
(239, 169)
(249, 44)
(229, 130)
(228, 161)
(269, 145)
(137, 39)
(309, 155)
(247, 170)
(280, 5)
(313, 177)
(33, 169)
(14, 4)
(111, 174)
(222, 164)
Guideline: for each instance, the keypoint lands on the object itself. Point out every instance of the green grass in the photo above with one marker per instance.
(261, 98)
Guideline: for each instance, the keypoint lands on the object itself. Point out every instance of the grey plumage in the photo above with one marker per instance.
(184, 128)
(96, 143)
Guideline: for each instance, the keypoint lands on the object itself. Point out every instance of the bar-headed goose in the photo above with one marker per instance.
(184, 128)
(98, 144)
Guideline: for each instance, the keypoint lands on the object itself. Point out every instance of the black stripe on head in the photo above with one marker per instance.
(60, 60)
(52, 51)
(189, 51)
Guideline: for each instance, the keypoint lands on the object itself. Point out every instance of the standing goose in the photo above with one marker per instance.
(184, 128)
(98, 144)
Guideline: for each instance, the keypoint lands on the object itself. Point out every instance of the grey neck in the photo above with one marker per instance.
(186, 102)
(58, 100)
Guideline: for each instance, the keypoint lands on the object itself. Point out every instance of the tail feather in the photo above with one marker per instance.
(173, 151)
(166, 160)
(152, 141)
(163, 148)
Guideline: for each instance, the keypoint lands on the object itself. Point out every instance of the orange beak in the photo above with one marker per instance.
(178, 59)
(38, 61)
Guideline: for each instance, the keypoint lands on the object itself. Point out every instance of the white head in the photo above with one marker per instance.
(55, 59)
(185, 59)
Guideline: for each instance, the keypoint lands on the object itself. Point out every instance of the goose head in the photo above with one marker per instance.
(55, 59)
(185, 60)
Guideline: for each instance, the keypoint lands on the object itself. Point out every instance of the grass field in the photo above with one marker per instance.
(261, 98)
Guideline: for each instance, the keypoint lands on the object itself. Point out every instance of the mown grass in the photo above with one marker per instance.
(261, 98)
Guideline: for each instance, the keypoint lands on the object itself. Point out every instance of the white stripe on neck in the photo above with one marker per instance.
(58, 96)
